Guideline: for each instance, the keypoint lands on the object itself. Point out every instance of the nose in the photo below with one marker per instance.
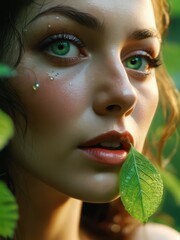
(115, 95)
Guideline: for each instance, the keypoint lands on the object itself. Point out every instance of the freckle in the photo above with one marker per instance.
(57, 74)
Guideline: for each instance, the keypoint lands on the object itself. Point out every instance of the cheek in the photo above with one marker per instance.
(145, 109)
(151, 98)
(55, 102)
(149, 101)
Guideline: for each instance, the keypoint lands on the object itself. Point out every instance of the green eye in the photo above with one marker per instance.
(66, 49)
(60, 48)
(136, 63)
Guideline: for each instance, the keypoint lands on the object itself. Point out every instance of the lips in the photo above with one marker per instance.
(109, 148)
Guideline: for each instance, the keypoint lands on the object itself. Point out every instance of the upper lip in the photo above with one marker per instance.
(125, 139)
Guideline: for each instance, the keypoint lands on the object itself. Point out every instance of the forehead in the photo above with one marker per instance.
(119, 13)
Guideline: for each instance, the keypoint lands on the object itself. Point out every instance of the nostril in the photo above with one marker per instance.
(113, 108)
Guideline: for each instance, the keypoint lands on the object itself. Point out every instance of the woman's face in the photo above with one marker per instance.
(87, 82)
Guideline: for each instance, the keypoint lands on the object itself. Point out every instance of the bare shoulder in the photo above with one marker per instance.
(153, 231)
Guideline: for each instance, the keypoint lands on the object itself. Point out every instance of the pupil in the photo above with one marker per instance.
(134, 61)
(61, 46)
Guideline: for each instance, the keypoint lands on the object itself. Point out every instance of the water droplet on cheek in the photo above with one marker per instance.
(49, 25)
(57, 17)
(36, 86)
(53, 75)
(52, 78)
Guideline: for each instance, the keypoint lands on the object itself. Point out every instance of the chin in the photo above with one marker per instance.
(97, 197)
(99, 187)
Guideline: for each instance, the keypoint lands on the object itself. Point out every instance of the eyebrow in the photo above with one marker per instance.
(90, 21)
(144, 34)
(82, 18)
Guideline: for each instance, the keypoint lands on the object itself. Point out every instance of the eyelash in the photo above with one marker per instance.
(152, 62)
(61, 36)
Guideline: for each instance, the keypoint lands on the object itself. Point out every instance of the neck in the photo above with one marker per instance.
(45, 213)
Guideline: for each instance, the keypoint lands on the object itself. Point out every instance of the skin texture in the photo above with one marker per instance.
(73, 105)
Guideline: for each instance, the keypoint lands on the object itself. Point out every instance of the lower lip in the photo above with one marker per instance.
(105, 156)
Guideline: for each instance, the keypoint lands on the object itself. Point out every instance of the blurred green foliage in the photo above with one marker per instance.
(175, 7)
(8, 206)
(8, 212)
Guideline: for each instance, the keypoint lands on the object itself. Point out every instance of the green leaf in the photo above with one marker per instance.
(141, 186)
(8, 212)
(6, 71)
(6, 129)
